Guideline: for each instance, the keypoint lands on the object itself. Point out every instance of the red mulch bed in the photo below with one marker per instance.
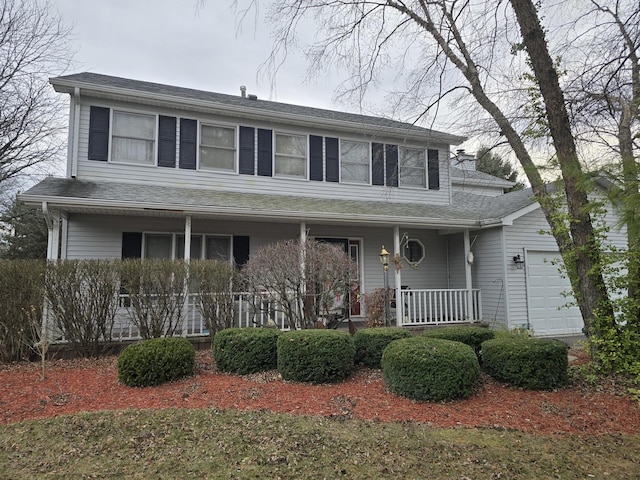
(83, 385)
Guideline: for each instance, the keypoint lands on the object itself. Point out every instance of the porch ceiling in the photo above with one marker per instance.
(111, 198)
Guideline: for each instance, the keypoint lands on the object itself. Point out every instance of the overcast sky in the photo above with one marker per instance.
(175, 42)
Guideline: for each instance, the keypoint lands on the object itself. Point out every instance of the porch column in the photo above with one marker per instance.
(187, 239)
(303, 266)
(187, 259)
(398, 278)
(468, 261)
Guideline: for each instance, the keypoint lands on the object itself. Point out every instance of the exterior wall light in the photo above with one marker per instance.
(519, 262)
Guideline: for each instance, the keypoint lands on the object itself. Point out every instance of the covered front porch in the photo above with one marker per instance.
(430, 266)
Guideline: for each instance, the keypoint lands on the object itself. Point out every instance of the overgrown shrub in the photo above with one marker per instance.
(430, 369)
(371, 342)
(21, 295)
(374, 303)
(82, 296)
(156, 292)
(302, 295)
(532, 363)
(246, 350)
(315, 355)
(214, 282)
(156, 361)
(469, 335)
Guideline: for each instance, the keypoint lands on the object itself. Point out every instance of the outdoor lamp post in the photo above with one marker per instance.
(384, 260)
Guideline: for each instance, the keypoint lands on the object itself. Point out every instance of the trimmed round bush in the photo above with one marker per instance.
(246, 350)
(318, 356)
(469, 335)
(371, 342)
(532, 363)
(156, 361)
(430, 369)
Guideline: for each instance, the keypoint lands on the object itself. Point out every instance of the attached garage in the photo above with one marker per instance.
(546, 297)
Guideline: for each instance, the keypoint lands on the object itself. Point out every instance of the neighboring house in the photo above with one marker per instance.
(152, 168)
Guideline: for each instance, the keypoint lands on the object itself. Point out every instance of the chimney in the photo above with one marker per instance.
(243, 91)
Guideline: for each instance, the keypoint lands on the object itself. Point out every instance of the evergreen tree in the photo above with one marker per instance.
(23, 232)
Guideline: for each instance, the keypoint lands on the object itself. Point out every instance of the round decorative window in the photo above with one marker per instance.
(413, 251)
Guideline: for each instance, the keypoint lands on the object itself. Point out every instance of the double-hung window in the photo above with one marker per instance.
(412, 168)
(354, 162)
(217, 148)
(291, 155)
(158, 245)
(133, 138)
(171, 245)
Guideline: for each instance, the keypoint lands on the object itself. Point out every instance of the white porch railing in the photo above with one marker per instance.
(436, 307)
(249, 311)
(417, 307)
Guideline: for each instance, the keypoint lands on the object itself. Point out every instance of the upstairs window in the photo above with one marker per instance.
(291, 155)
(133, 138)
(354, 162)
(412, 168)
(217, 148)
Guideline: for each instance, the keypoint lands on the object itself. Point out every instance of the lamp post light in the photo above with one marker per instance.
(384, 260)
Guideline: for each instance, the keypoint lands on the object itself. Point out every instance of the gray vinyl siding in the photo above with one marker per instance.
(107, 171)
(91, 236)
(523, 235)
(457, 277)
(488, 274)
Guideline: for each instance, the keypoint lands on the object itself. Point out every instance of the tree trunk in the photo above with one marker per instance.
(582, 259)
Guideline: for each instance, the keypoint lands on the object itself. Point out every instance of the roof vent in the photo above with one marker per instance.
(243, 91)
(251, 96)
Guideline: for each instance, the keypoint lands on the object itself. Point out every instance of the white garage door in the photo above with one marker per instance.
(545, 287)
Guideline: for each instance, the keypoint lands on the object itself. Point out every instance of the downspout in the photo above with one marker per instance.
(74, 133)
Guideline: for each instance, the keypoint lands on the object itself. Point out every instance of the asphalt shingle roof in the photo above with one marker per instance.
(461, 175)
(125, 84)
(467, 209)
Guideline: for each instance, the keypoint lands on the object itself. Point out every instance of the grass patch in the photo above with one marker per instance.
(213, 444)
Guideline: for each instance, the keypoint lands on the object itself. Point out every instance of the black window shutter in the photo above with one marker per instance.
(247, 149)
(433, 169)
(377, 159)
(188, 139)
(166, 141)
(333, 159)
(98, 133)
(315, 156)
(391, 153)
(131, 245)
(240, 250)
(265, 142)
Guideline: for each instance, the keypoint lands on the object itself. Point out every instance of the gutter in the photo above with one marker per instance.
(320, 217)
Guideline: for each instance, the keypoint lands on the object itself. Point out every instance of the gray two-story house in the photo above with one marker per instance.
(158, 171)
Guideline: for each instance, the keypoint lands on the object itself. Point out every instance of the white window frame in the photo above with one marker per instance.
(234, 149)
(277, 155)
(402, 169)
(342, 162)
(174, 243)
(112, 121)
(414, 262)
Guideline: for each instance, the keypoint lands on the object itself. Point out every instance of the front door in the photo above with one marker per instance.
(352, 248)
